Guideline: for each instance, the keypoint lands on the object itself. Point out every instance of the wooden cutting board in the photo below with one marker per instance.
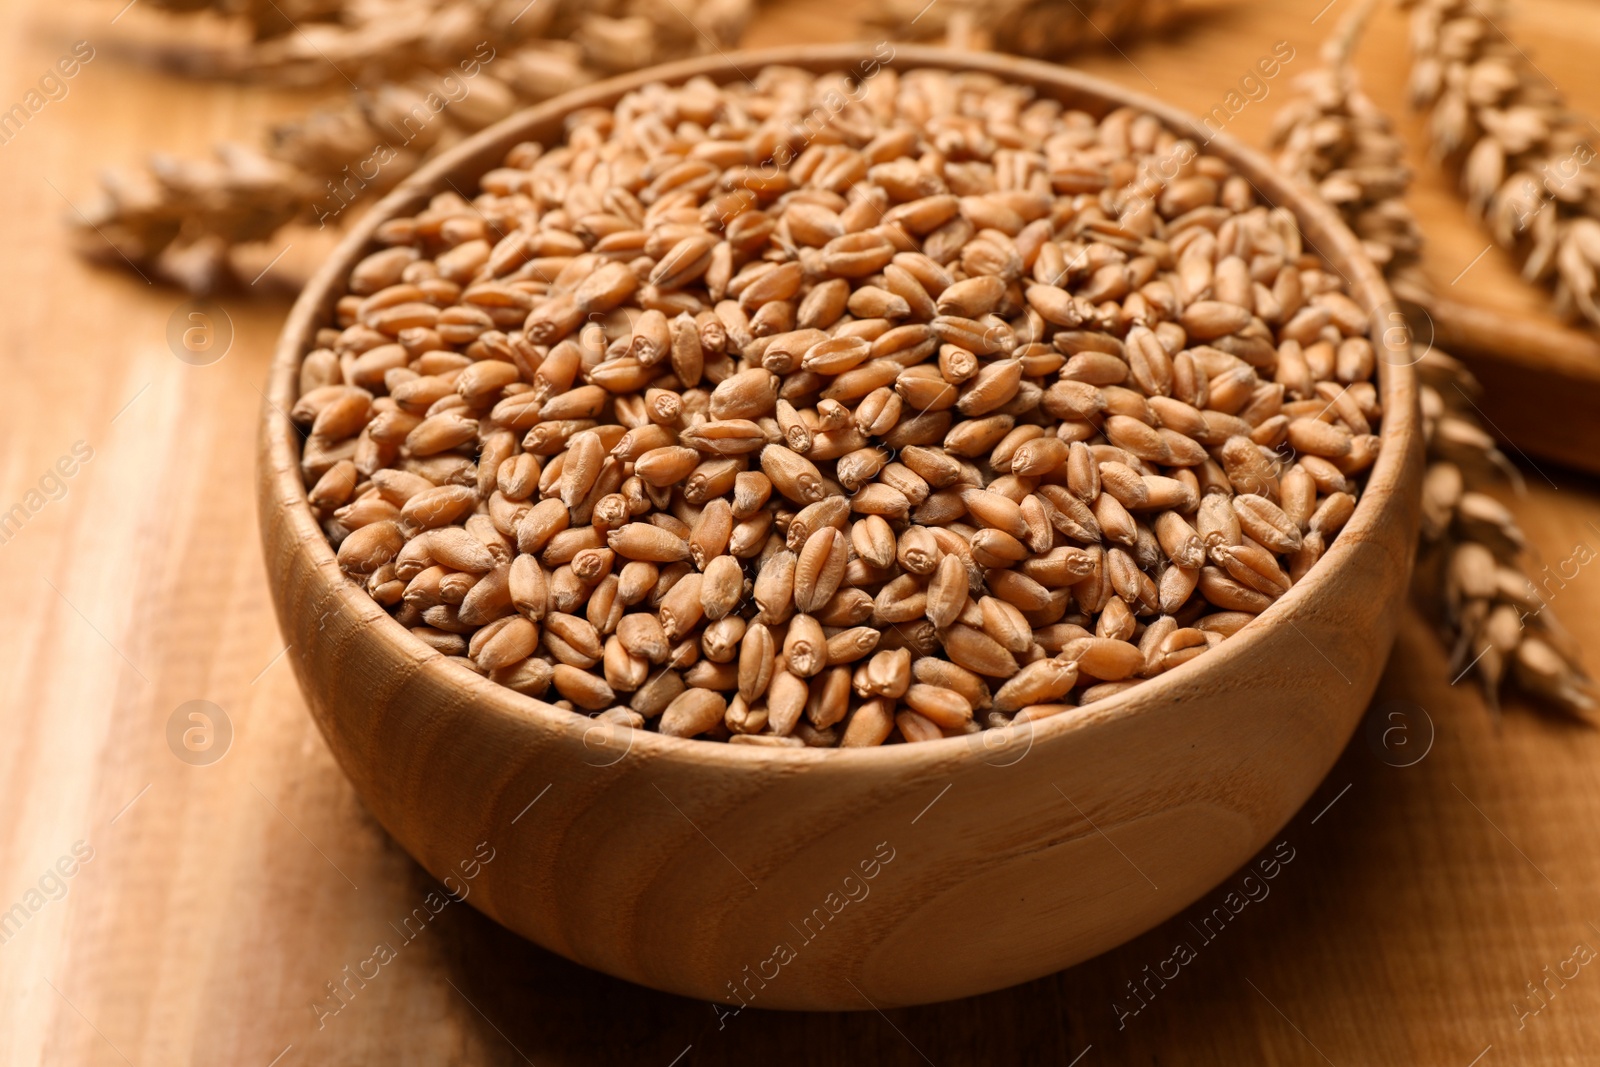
(220, 900)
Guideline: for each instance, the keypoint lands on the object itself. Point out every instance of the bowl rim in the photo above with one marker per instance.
(282, 488)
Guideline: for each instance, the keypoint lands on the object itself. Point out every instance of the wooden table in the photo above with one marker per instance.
(220, 900)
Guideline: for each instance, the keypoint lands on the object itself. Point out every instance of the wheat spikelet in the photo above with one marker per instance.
(1524, 158)
(1495, 620)
(262, 19)
(368, 41)
(429, 73)
(1332, 136)
(1044, 29)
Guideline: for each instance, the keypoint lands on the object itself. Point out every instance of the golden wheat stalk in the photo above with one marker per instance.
(430, 72)
(1523, 157)
(1043, 29)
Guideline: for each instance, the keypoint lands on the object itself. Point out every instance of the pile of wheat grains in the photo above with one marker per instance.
(838, 410)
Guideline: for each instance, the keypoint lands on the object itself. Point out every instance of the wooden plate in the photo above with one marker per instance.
(840, 879)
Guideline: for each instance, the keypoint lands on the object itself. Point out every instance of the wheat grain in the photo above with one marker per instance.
(817, 439)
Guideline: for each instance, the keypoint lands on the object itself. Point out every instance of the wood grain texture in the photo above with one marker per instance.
(1540, 383)
(212, 914)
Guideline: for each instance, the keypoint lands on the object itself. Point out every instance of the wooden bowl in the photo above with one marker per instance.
(798, 878)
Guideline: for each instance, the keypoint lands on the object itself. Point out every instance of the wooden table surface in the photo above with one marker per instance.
(209, 906)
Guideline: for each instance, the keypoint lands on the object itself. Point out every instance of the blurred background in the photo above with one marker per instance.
(184, 870)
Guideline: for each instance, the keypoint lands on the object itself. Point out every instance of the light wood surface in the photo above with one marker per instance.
(611, 871)
(217, 904)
